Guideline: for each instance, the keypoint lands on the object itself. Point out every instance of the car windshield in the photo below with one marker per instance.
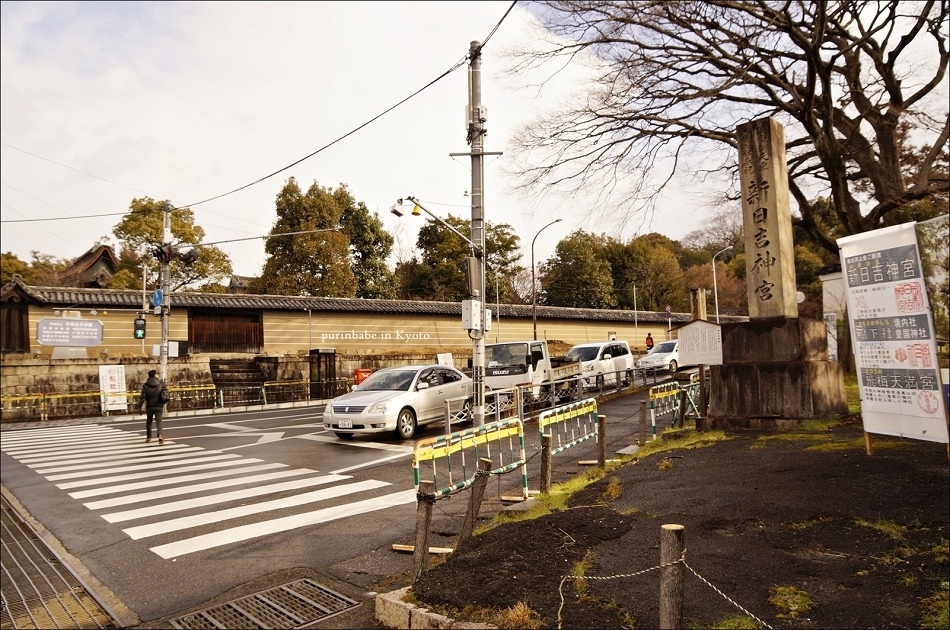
(664, 348)
(506, 355)
(388, 380)
(584, 353)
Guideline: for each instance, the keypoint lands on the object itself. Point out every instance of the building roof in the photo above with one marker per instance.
(69, 297)
(81, 269)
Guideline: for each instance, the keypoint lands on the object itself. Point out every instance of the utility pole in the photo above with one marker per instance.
(166, 299)
(475, 136)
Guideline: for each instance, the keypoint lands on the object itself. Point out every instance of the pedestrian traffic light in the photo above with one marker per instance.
(139, 328)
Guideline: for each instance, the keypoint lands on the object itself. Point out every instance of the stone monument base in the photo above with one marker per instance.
(775, 373)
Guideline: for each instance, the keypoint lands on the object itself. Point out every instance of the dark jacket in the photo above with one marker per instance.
(151, 391)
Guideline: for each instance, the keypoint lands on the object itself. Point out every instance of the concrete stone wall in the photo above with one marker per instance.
(29, 375)
(25, 375)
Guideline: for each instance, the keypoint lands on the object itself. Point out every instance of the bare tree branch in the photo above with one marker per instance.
(671, 81)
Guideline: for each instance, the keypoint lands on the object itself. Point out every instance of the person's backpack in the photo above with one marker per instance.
(163, 395)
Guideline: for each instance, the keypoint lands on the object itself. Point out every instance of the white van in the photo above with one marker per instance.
(602, 361)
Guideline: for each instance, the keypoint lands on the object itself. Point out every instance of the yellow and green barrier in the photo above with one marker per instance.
(453, 458)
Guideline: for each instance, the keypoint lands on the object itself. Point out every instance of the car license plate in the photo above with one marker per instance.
(346, 424)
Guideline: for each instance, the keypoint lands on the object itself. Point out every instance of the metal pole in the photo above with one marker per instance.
(497, 309)
(166, 299)
(715, 285)
(534, 286)
(144, 304)
(476, 134)
(636, 325)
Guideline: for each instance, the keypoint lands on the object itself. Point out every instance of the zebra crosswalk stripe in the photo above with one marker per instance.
(106, 468)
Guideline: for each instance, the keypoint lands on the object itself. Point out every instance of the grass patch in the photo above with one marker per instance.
(888, 528)
(852, 393)
(941, 551)
(736, 622)
(833, 446)
(579, 570)
(665, 464)
(613, 490)
(936, 608)
(791, 601)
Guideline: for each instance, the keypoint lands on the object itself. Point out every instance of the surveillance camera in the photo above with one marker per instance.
(395, 210)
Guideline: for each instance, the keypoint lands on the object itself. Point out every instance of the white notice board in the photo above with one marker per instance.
(113, 387)
(700, 343)
(895, 351)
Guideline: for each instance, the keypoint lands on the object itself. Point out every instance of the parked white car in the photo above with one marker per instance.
(604, 359)
(397, 400)
(664, 357)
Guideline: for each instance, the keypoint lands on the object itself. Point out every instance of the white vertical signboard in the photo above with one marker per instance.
(113, 388)
(895, 351)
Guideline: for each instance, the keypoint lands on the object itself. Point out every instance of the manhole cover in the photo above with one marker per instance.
(288, 606)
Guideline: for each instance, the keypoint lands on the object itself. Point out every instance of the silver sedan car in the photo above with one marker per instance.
(398, 400)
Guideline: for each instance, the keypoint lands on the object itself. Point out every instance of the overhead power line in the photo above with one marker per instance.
(454, 67)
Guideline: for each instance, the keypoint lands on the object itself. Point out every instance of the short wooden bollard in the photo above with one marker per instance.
(475, 500)
(643, 422)
(671, 576)
(545, 463)
(424, 501)
(601, 441)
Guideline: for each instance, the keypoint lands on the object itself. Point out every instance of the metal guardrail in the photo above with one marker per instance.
(26, 407)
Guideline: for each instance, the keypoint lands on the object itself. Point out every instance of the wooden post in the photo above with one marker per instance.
(671, 576)
(475, 500)
(679, 416)
(420, 554)
(867, 443)
(703, 392)
(545, 463)
(643, 422)
(602, 441)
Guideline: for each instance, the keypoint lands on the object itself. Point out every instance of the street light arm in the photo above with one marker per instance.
(476, 248)
(534, 289)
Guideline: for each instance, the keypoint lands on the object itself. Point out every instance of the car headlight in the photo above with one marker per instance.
(379, 407)
(328, 410)
(589, 368)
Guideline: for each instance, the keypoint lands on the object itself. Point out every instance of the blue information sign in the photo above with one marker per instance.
(157, 298)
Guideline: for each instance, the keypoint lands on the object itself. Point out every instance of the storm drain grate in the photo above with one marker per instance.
(288, 606)
(39, 590)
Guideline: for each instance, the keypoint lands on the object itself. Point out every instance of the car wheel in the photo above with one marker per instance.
(673, 366)
(345, 436)
(467, 413)
(627, 377)
(406, 424)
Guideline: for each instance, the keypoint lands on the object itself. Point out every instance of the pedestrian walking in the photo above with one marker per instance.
(649, 341)
(152, 399)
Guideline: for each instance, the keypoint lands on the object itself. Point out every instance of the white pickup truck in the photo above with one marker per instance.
(514, 363)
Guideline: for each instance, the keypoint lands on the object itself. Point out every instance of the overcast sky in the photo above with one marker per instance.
(103, 102)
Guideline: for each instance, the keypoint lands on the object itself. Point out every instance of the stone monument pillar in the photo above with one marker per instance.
(775, 367)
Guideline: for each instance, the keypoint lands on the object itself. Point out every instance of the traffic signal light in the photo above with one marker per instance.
(139, 328)
(189, 257)
(165, 253)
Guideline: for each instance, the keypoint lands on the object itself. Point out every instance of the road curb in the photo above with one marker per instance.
(393, 612)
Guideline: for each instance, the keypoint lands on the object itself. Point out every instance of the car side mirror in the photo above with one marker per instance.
(607, 356)
(422, 385)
